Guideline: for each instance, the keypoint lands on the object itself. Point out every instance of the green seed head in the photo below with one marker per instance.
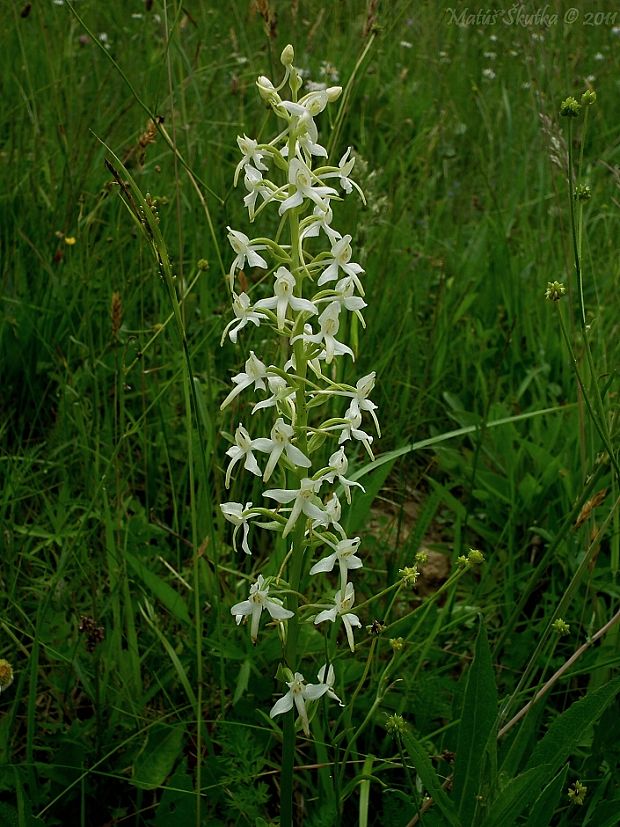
(582, 192)
(570, 108)
(396, 724)
(588, 98)
(555, 290)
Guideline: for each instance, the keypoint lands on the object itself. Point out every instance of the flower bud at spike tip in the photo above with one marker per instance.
(569, 108)
(588, 97)
(333, 93)
(288, 55)
(555, 290)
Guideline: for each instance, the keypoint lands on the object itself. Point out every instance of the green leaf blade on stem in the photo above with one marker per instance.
(476, 730)
(168, 596)
(515, 797)
(567, 730)
(162, 748)
(429, 778)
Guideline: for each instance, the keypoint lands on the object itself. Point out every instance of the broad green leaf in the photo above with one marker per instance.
(606, 814)
(430, 442)
(362, 501)
(546, 803)
(515, 797)
(166, 595)
(567, 730)
(177, 807)
(242, 680)
(155, 762)
(476, 729)
(424, 768)
(522, 742)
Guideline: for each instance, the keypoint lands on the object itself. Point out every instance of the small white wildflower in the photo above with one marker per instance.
(321, 219)
(252, 155)
(242, 450)
(298, 693)
(279, 443)
(341, 253)
(304, 502)
(338, 465)
(341, 607)
(239, 516)
(351, 430)
(257, 601)
(284, 298)
(344, 554)
(246, 251)
(255, 186)
(301, 180)
(255, 374)
(329, 324)
(333, 512)
(244, 313)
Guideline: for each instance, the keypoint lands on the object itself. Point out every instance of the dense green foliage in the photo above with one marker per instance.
(112, 459)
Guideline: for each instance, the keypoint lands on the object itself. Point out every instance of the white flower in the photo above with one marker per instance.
(341, 260)
(305, 131)
(351, 430)
(246, 251)
(341, 608)
(342, 171)
(360, 400)
(251, 155)
(258, 600)
(255, 374)
(315, 102)
(285, 298)
(300, 178)
(242, 449)
(329, 323)
(321, 218)
(244, 313)
(344, 295)
(282, 397)
(338, 465)
(304, 501)
(280, 441)
(329, 681)
(344, 553)
(298, 693)
(238, 515)
(333, 510)
(255, 186)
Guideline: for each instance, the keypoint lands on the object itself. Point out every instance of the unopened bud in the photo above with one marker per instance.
(288, 55)
(267, 90)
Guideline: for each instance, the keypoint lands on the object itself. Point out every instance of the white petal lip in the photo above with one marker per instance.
(324, 565)
(281, 495)
(284, 704)
(278, 612)
(328, 614)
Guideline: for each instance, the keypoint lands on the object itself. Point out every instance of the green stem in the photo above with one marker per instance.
(297, 555)
(600, 426)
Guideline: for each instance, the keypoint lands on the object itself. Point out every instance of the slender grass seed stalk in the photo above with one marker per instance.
(311, 294)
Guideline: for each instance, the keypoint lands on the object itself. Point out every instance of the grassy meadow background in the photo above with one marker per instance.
(109, 489)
